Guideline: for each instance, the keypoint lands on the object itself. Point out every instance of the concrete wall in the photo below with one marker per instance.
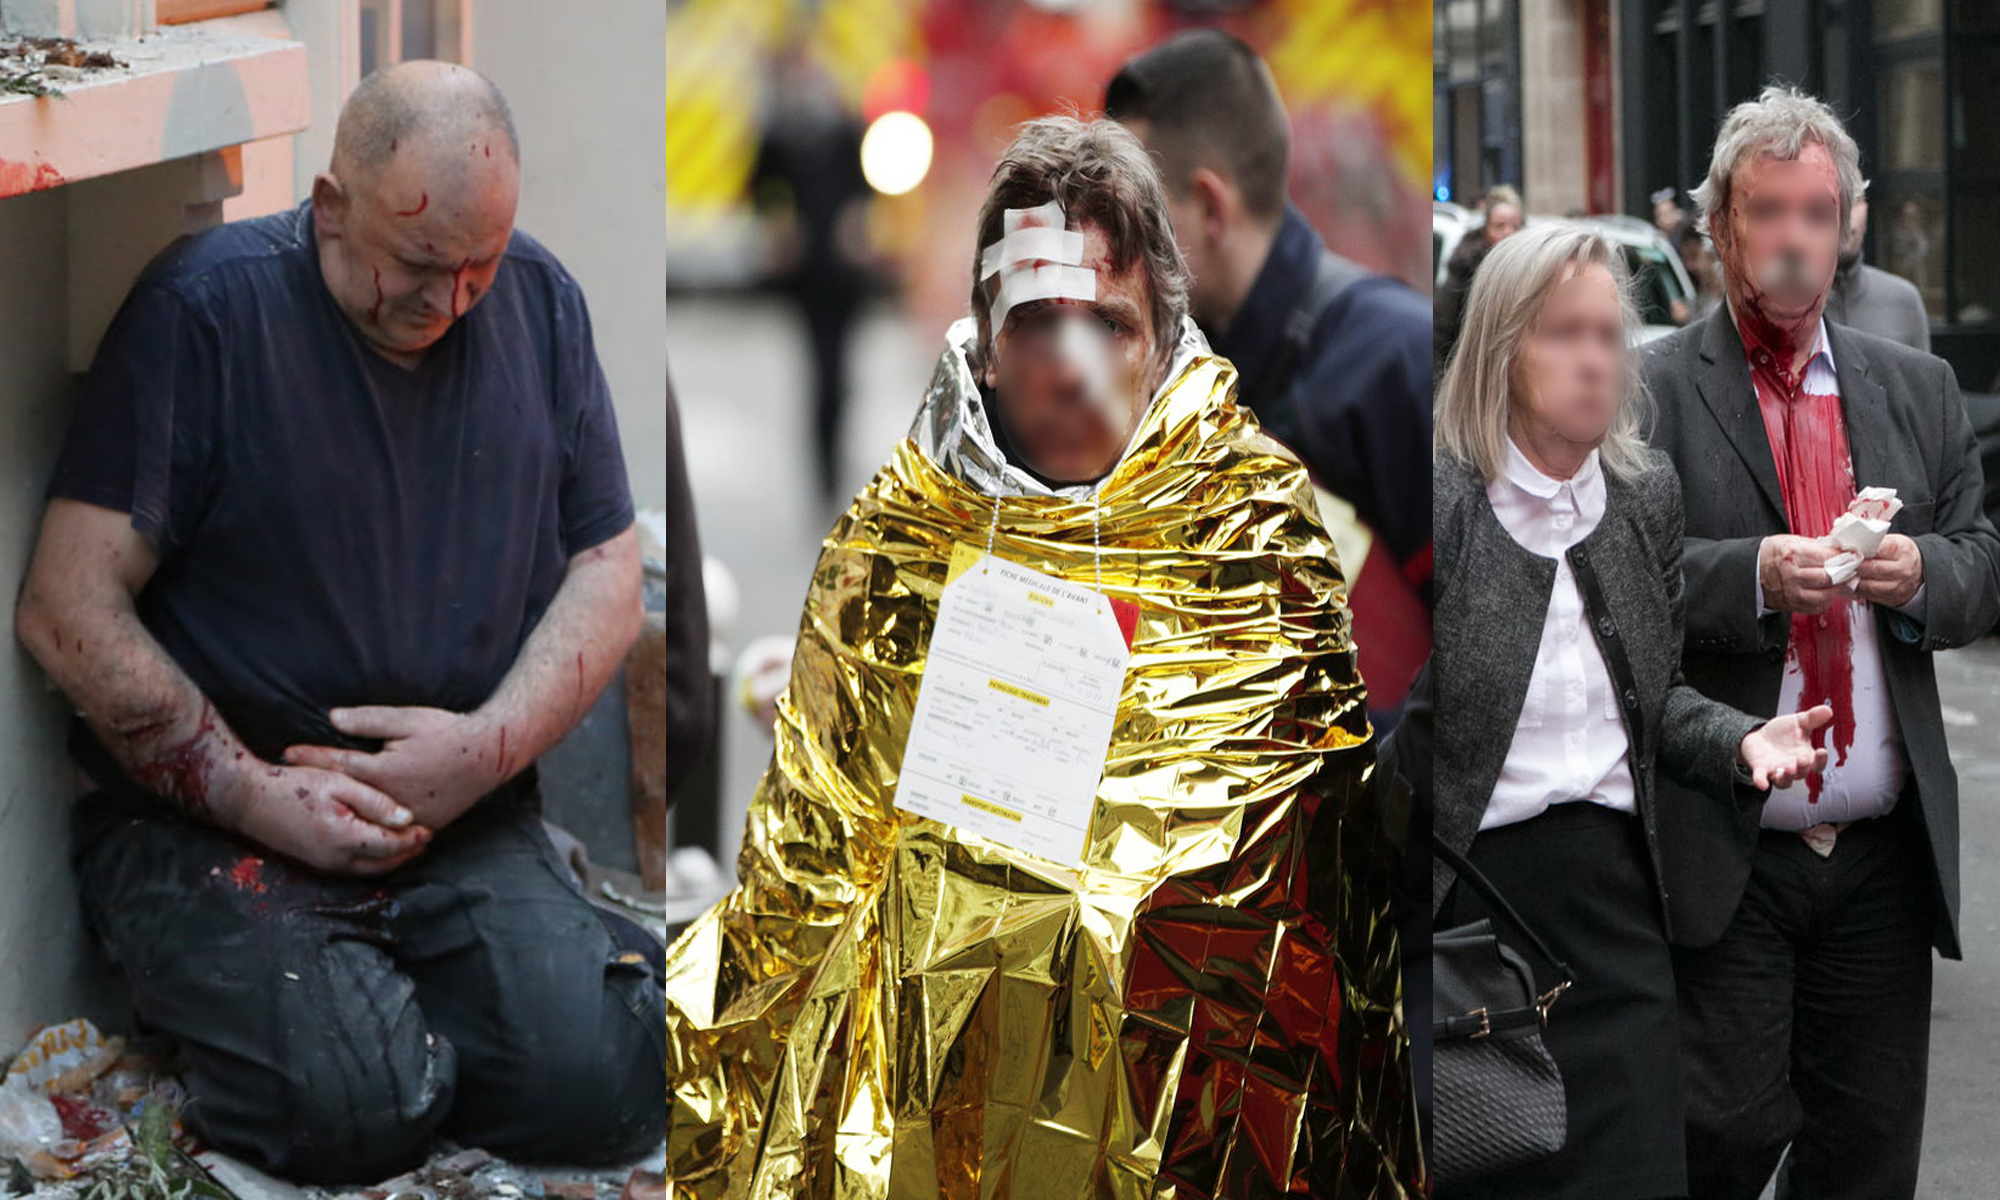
(587, 97)
(44, 970)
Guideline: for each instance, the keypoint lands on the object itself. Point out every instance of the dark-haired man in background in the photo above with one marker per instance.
(1334, 360)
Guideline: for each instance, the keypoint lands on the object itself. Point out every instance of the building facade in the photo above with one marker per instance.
(1607, 101)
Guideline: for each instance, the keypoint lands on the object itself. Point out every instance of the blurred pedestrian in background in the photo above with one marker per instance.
(1504, 216)
(1668, 215)
(1700, 264)
(1867, 298)
(808, 172)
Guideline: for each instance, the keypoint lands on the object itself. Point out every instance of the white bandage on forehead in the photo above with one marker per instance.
(1036, 259)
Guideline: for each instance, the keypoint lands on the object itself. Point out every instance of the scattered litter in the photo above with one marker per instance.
(84, 1117)
(89, 1117)
(25, 65)
(645, 1185)
(64, 1058)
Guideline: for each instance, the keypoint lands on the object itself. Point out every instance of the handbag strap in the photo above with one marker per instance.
(1484, 886)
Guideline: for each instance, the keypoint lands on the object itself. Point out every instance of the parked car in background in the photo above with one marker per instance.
(1659, 281)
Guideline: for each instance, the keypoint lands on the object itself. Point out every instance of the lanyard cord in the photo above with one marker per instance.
(1096, 535)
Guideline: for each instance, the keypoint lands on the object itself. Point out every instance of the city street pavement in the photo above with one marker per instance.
(739, 369)
(1961, 1150)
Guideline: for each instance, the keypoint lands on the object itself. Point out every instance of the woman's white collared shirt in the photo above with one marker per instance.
(1569, 743)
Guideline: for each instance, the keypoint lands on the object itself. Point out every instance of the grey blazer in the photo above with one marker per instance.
(1492, 597)
(1907, 429)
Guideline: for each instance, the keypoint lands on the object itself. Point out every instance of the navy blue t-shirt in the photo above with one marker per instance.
(334, 529)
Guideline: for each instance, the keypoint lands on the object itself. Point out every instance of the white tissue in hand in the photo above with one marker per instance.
(1861, 528)
(1841, 567)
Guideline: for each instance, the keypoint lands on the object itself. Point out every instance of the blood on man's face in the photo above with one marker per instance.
(1782, 238)
(417, 244)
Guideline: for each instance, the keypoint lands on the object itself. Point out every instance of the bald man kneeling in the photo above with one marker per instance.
(339, 543)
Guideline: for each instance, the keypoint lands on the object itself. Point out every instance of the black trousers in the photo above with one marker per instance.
(1581, 877)
(333, 1026)
(1808, 1024)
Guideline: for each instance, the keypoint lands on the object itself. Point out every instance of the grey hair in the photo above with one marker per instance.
(1476, 395)
(1102, 174)
(1778, 124)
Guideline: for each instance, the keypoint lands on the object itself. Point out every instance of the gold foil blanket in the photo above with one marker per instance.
(1205, 1006)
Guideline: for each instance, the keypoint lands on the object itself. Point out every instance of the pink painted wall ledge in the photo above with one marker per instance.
(183, 91)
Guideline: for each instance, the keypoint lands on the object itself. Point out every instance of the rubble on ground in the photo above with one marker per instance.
(89, 1117)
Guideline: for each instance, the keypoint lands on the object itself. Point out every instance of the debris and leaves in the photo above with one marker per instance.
(25, 64)
(89, 1117)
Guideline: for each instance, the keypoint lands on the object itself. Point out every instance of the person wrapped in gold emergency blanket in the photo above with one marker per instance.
(1066, 879)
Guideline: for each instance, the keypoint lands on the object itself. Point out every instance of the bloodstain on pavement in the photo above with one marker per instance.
(423, 202)
(19, 178)
(248, 875)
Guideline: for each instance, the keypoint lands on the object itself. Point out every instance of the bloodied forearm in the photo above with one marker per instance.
(77, 617)
(573, 652)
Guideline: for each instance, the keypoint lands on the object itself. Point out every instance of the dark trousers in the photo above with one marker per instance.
(333, 1026)
(829, 318)
(1808, 1024)
(1580, 876)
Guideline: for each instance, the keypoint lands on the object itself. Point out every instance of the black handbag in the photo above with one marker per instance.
(1497, 1095)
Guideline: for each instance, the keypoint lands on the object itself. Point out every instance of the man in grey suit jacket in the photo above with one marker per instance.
(1872, 300)
(1807, 919)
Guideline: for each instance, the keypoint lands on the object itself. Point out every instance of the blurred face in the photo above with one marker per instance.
(1571, 369)
(1072, 376)
(412, 249)
(1780, 241)
(1667, 214)
(1502, 221)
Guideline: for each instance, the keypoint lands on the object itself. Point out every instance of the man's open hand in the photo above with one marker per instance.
(436, 763)
(1792, 571)
(1893, 576)
(323, 819)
